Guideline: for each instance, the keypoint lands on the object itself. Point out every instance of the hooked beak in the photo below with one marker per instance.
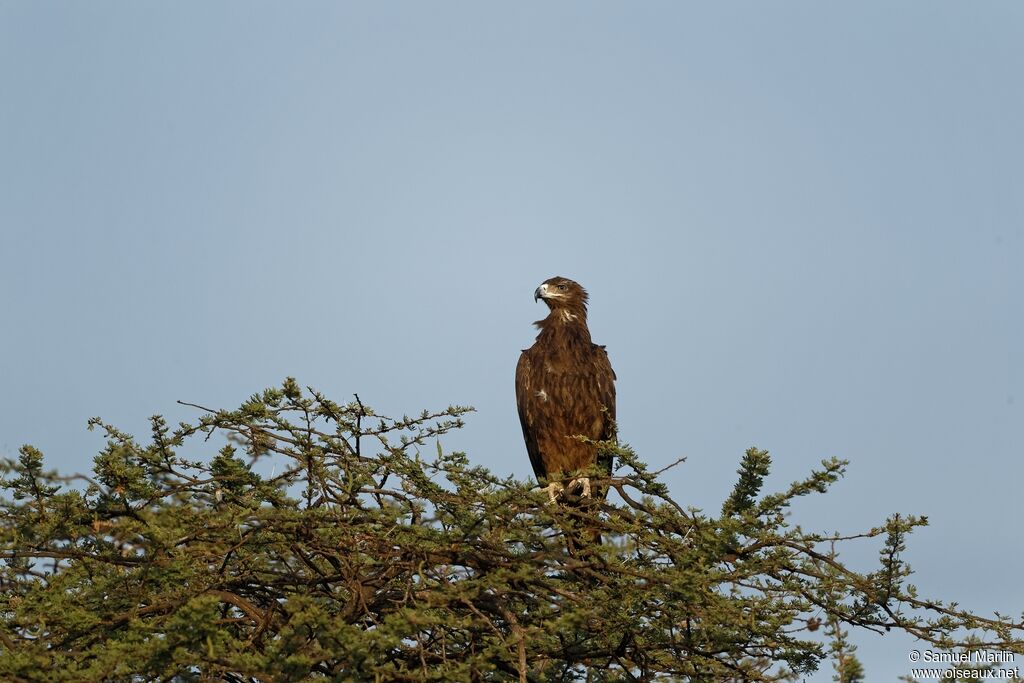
(540, 292)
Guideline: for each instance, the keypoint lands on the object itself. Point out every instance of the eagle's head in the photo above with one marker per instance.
(562, 293)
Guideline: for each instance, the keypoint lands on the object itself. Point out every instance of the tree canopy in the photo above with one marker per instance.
(297, 538)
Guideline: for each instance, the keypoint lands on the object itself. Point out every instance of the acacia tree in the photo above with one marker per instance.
(369, 553)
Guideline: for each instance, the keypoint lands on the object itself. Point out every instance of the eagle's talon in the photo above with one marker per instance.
(582, 482)
(554, 489)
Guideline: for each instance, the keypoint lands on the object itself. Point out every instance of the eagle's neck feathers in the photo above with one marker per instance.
(565, 327)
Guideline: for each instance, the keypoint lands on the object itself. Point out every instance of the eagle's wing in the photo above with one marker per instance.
(604, 376)
(529, 413)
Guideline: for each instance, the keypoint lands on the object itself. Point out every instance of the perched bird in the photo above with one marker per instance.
(565, 388)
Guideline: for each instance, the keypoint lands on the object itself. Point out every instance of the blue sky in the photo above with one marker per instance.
(800, 224)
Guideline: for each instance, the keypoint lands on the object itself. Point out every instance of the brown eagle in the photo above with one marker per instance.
(565, 387)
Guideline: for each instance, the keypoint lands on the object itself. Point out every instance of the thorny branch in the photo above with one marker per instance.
(351, 563)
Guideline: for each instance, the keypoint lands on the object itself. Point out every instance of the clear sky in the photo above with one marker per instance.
(800, 224)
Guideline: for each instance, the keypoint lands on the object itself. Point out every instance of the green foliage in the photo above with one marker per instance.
(753, 469)
(844, 660)
(297, 538)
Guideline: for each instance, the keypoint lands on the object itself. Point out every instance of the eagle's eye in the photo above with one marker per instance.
(562, 287)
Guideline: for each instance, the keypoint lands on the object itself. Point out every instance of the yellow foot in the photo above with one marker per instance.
(583, 482)
(554, 489)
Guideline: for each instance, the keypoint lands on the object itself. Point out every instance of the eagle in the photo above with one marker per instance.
(565, 388)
